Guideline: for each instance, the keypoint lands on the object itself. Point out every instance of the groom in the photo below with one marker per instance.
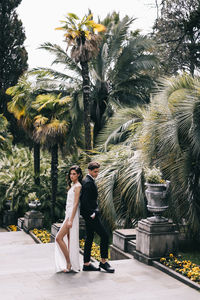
(90, 212)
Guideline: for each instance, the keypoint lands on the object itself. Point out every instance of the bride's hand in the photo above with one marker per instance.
(69, 224)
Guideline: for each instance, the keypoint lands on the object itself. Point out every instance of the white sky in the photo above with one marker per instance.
(41, 17)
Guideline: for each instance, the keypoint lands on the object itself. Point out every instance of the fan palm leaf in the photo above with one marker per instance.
(131, 185)
(116, 130)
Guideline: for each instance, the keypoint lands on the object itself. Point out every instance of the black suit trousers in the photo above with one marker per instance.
(92, 226)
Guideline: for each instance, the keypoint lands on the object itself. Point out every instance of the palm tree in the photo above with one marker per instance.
(174, 114)
(23, 93)
(165, 134)
(81, 35)
(121, 182)
(51, 126)
(123, 70)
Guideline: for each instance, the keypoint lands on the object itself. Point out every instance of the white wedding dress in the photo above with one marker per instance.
(60, 260)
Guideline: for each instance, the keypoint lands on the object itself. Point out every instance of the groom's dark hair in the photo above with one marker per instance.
(93, 165)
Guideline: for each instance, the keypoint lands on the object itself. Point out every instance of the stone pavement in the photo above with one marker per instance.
(27, 272)
(14, 238)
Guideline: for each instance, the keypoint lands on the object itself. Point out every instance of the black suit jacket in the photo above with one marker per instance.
(88, 198)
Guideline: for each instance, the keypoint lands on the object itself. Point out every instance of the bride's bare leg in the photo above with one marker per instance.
(68, 265)
(59, 239)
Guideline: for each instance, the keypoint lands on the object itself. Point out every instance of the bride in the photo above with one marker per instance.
(67, 239)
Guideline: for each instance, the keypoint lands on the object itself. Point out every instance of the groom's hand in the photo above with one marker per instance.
(93, 215)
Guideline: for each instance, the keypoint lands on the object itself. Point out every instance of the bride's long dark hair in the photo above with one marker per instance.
(78, 170)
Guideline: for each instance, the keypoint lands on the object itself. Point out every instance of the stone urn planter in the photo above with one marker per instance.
(156, 200)
(33, 218)
(34, 205)
(156, 236)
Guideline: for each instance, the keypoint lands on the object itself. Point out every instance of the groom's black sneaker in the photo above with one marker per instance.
(90, 267)
(106, 267)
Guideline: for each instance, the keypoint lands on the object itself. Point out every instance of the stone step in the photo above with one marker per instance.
(122, 236)
(117, 254)
(131, 246)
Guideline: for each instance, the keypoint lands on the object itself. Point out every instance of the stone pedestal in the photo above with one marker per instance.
(155, 240)
(9, 218)
(122, 236)
(33, 219)
(20, 222)
(54, 230)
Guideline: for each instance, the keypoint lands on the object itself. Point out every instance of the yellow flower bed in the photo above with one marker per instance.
(95, 252)
(12, 227)
(42, 234)
(184, 267)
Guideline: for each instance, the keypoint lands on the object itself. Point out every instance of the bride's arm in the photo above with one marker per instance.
(77, 190)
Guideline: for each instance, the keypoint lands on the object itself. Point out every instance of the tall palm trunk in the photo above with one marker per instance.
(54, 179)
(86, 104)
(98, 110)
(36, 154)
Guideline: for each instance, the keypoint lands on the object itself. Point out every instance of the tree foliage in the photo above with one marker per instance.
(121, 73)
(16, 182)
(13, 56)
(5, 136)
(177, 33)
(123, 70)
(167, 135)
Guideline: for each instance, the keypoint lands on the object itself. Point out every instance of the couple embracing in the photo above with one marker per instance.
(67, 239)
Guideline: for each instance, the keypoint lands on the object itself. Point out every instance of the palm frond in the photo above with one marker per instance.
(119, 33)
(49, 75)
(116, 130)
(50, 133)
(106, 190)
(131, 188)
(61, 57)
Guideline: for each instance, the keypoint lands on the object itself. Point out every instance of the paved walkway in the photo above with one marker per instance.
(27, 272)
(14, 238)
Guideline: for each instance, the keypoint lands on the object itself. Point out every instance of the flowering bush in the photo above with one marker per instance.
(12, 227)
(42, 234)
(95, 252)
(184, 267)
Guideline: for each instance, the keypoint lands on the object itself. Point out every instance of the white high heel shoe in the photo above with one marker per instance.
(68, 270)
